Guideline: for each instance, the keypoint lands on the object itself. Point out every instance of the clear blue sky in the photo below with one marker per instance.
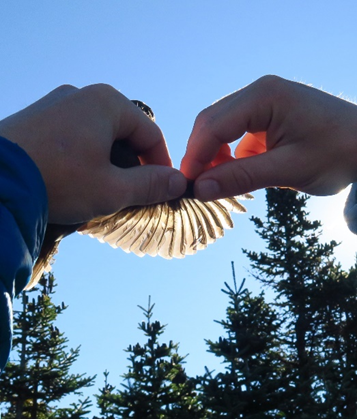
(178, 57)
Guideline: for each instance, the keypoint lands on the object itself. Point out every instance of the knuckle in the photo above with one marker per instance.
(270, 81)
(154, 191)
(99, 92)
(242, 179)
(273, 89)
(204, 121)
(65, 89)
(61, 92)
(272, 86)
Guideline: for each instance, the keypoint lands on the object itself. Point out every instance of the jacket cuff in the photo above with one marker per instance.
(23, 220)
(24, 212)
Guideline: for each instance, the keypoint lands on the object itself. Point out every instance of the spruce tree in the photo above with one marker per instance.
(317, 301)
(251, 384)
(156, 385)
(37, 376)
(338, 351)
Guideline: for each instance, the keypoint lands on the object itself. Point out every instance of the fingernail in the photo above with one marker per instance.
(177, 185)
(207, 189)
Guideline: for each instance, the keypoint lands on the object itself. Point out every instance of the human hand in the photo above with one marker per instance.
(69, 134)
(294, 136)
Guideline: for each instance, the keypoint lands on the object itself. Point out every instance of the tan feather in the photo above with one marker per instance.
(171, 229)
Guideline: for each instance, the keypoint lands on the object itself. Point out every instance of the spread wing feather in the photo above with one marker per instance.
(171, 229)
(43, 264)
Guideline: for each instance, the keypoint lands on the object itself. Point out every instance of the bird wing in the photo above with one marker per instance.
(43, 264)
(171, 229)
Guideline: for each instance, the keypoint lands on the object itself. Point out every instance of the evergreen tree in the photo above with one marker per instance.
(104, 402)
(38, 375)
(156, 385)
(338, 352)
(317, 301)
(251, 384)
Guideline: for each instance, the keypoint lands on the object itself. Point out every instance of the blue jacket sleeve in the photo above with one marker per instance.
(23, 220)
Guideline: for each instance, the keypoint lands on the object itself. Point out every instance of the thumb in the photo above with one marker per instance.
(148, 184)
(243, 175)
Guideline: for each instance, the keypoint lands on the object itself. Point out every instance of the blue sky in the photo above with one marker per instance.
(178, 57)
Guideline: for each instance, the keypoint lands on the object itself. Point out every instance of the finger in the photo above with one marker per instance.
(148, 141)
(224, 155)
(141, 185)
(251, 145)
(273, 168)
(126, 121)
(144, 136)
(247, 110)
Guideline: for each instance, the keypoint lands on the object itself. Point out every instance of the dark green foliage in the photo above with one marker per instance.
(156, 385)
(104, 398)
(252, 382)
(338, 352)
(317, 301)
(297, 357)
(37, 376)
(293, 358)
